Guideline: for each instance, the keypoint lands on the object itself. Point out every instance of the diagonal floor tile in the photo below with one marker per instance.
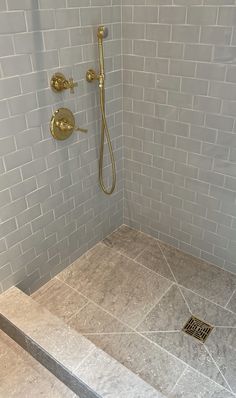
(189, 350)
(232, 304)
(222, 346)
(195, 385)
(152, 258)
(199, 276)
(208, 311)
(92, 319)
(116, 283)
(171, 313)
(128, 241)
(152, 364)
(59, 299)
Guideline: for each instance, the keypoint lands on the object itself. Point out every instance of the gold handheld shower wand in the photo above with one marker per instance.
(91, 76)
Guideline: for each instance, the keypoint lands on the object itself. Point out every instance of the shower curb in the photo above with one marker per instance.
(85, 369)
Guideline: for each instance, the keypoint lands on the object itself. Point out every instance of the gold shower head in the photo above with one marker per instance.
(102, 32)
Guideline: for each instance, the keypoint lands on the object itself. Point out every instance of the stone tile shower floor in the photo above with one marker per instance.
(131, 295)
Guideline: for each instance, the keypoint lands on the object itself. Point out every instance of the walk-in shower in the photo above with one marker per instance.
(118, 198)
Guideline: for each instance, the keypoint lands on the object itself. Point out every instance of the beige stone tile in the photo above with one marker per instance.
(59, 299)
(92, 319)
(151, 363)
(199, 276)
(222, 346)
(128, 241)
(189, 350)
(208, 311)
(232, 304)
(151, 257)
(195, 385)
(170, 314)
(116, 283)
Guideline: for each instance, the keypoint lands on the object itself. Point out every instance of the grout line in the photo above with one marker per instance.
(207, 299)
(77, 312)
(230, 299)
(144, 317)
(207, 350)
(86, 357)
(175, 279)
(178, 380)
(136, 262)
(97, 305)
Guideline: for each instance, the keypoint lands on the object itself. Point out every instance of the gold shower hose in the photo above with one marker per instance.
(105, 132)
(102, 32)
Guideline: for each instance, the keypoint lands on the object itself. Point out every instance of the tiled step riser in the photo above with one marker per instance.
(42, 356)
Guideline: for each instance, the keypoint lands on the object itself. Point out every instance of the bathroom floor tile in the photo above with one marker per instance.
(203, 278)
(59, 299)
(195, 385)
(128, 241)
(164, 324)
(170, 314)
(189, 350)
(151, 363)
(116, 283)
(232, 304)
(208, 311)
(151, 257)
(135, 294)
(92, 319)
(222, 346)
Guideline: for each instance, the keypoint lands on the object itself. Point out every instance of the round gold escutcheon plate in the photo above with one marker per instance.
(62, 124)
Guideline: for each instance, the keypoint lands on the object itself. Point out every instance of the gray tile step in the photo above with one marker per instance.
(78, 363)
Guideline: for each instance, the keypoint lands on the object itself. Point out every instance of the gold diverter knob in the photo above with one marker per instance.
(60, 83)
(63, 124)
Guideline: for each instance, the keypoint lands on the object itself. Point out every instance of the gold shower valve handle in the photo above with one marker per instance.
(81, 130)
(63, 124)
(60, 83)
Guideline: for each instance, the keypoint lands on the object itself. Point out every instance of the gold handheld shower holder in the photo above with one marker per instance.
(63, 124)
(91, 76)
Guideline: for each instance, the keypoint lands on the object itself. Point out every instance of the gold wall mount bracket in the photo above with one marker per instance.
(59, 83)
(62, 124)
(91, 75)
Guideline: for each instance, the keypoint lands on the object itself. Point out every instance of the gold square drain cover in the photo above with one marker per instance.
(197, 328)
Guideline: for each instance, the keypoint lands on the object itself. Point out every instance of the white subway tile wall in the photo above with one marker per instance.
(179, 123)
(52, 209)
